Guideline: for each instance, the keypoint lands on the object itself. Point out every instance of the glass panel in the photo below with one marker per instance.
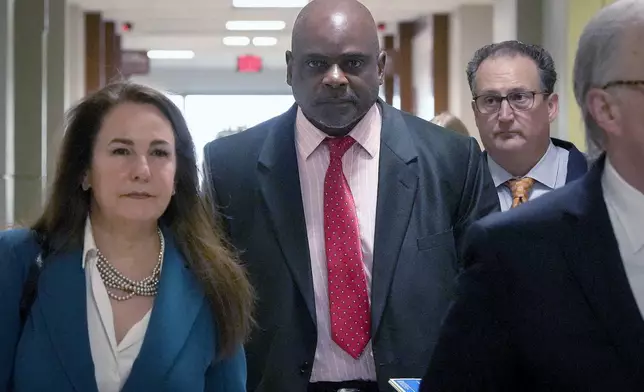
(177, 100)
(213, 116)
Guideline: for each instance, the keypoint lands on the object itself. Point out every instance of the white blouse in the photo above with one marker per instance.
(112, 362)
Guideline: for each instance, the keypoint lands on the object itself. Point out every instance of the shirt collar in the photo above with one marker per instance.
(628, 204)
(544, 172)
(89, 245)
(90, 250)
(366, 133)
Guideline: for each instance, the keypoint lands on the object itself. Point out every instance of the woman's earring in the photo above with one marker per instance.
(85, 186)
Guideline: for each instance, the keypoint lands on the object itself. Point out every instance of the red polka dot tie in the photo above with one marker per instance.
(348, 298)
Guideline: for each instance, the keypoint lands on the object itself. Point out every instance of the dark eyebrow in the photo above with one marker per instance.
(129, 142)
(159, 142)
(354, 54)
(498, 93)
(341, 55)
(520, 90)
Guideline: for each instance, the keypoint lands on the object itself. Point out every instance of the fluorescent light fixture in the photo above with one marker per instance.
(264, 41)
(270, 3)
(171, 54)
(236, 41)
(248, 25)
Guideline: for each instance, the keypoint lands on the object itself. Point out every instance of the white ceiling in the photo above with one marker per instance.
(199, 25)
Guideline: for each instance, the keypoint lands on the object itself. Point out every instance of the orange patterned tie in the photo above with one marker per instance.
(520, 189)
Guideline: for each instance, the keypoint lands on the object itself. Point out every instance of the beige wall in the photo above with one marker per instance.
(471, 27)
(75, 55)
(6, 112)
(579, 13)
(422, 69)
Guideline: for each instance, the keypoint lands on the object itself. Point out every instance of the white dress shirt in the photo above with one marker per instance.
(549, 173)
(625, 206)
(112, 362)
(360, 165)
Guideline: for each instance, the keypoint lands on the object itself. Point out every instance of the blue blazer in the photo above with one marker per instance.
(52, 352)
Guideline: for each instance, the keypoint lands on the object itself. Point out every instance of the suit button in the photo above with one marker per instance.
(305, 368)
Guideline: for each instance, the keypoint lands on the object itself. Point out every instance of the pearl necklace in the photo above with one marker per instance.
(115, 280)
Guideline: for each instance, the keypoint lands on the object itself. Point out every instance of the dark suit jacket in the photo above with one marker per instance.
(52, 352)
(545, 304)
(432, 185)
(577, 161)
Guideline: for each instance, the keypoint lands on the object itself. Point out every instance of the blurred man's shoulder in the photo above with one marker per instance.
(543, 214)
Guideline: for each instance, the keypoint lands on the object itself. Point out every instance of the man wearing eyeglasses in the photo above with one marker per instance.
(514, 102)
(552, 296)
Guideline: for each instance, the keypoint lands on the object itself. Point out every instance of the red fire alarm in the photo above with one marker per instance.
(249, 64)
(382, 26)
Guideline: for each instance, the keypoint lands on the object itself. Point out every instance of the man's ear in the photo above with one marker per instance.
(604, 109)
(553, 107)
(289, 67)
(382, 64)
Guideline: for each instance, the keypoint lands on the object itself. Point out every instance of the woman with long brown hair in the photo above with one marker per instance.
(124, 283)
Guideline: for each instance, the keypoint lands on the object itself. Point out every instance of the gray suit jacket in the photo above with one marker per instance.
(433, 184)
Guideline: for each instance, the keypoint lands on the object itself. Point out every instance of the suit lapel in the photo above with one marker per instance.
(175, 309)
(397, 184)
(63, 302)
(594, 258)
(577, 163)
(280, 187)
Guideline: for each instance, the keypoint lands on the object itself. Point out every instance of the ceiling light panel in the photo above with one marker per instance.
(236, 41)
(257, 25)
(269, 3)
(264, 41)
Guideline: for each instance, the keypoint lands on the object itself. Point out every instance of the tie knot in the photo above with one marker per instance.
(521, 185)
(338, 146)
(520, 189)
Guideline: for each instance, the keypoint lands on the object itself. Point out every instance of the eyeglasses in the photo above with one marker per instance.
(623, 83)
(519, 101)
